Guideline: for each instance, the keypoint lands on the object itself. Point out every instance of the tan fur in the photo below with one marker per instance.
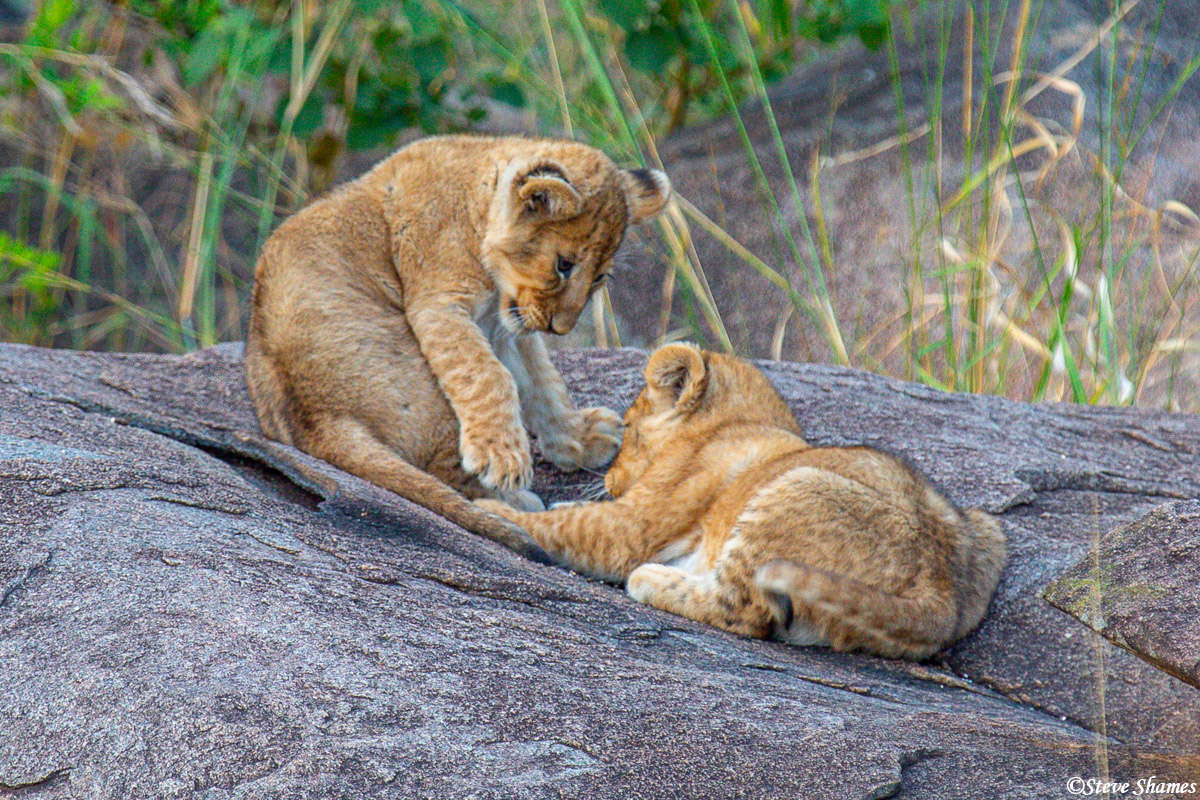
(723, 513)
(394, 328)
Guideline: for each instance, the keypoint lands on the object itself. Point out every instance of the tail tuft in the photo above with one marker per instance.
(850, 615)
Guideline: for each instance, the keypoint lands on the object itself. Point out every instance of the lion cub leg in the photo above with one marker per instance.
(570, 438)
(716, 598)
(492, 440)
(604, 540)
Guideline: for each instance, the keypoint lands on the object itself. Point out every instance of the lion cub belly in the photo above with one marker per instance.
(685, 554)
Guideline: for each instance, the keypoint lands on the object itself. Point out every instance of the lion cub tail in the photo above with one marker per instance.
(850, 615)
(983, 549)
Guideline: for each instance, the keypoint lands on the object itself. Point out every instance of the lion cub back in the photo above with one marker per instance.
(846, 546)
(859, 551)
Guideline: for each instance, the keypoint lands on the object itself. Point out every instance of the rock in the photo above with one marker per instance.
(1140, 588)
(188, 610)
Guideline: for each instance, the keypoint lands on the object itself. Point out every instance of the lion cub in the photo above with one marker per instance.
(395, 324)
(724, 514)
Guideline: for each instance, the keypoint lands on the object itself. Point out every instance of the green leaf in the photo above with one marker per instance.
(48, 25)
(509, 92)
(205, 54)
(430, 61)
(864, 13)
(18, 257)
(652, 49)
(311, 115)
(93, 95)
(873, 36)
(261, 47)
(781, 16)
(375, 134)
(628, 15)
(386, 116)
(424, 25)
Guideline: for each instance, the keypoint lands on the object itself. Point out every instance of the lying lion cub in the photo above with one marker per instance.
(724, 514)
(394, 328)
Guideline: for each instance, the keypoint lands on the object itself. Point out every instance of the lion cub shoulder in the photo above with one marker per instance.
(725, 514)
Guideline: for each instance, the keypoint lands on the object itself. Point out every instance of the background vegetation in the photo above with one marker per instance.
(148, 147)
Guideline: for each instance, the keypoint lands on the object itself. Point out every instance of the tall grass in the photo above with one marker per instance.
(1052, 330)
(1065, 317)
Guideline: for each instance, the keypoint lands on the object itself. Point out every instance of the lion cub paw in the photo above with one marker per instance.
(522, 500)
(649, 579)
(601, 439)
(499, 456)
(592, 443)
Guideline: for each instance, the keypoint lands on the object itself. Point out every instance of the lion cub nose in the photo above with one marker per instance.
(562, 323)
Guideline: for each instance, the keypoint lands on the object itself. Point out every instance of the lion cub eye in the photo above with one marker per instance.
(599, 279)
(563, 267)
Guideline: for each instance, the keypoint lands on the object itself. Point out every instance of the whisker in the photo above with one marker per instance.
(595, 491)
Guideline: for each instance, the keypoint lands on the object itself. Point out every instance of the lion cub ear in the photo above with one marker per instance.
(678, 375)
(646, 192)
(541, 191)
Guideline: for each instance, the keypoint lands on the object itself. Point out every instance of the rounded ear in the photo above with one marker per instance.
(677, 373)
(646, 192)
(541, 191)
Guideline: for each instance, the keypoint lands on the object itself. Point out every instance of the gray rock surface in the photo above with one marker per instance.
(1140, 588)
(190, 611)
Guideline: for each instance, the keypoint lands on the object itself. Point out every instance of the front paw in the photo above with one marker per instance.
(649, 579)
(601, 439)
(499, 456)
(593, 441)
(522, 500)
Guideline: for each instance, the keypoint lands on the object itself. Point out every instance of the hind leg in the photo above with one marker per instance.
(367, 402)
(385, 385)
(704, 598)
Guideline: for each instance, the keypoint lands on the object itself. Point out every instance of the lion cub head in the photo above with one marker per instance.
(689, 393)
(555, 221)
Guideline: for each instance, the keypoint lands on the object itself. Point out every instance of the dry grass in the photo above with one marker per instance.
(156, 202)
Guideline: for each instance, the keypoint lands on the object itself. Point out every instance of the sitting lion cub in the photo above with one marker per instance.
(394, 327)
(724, 514)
